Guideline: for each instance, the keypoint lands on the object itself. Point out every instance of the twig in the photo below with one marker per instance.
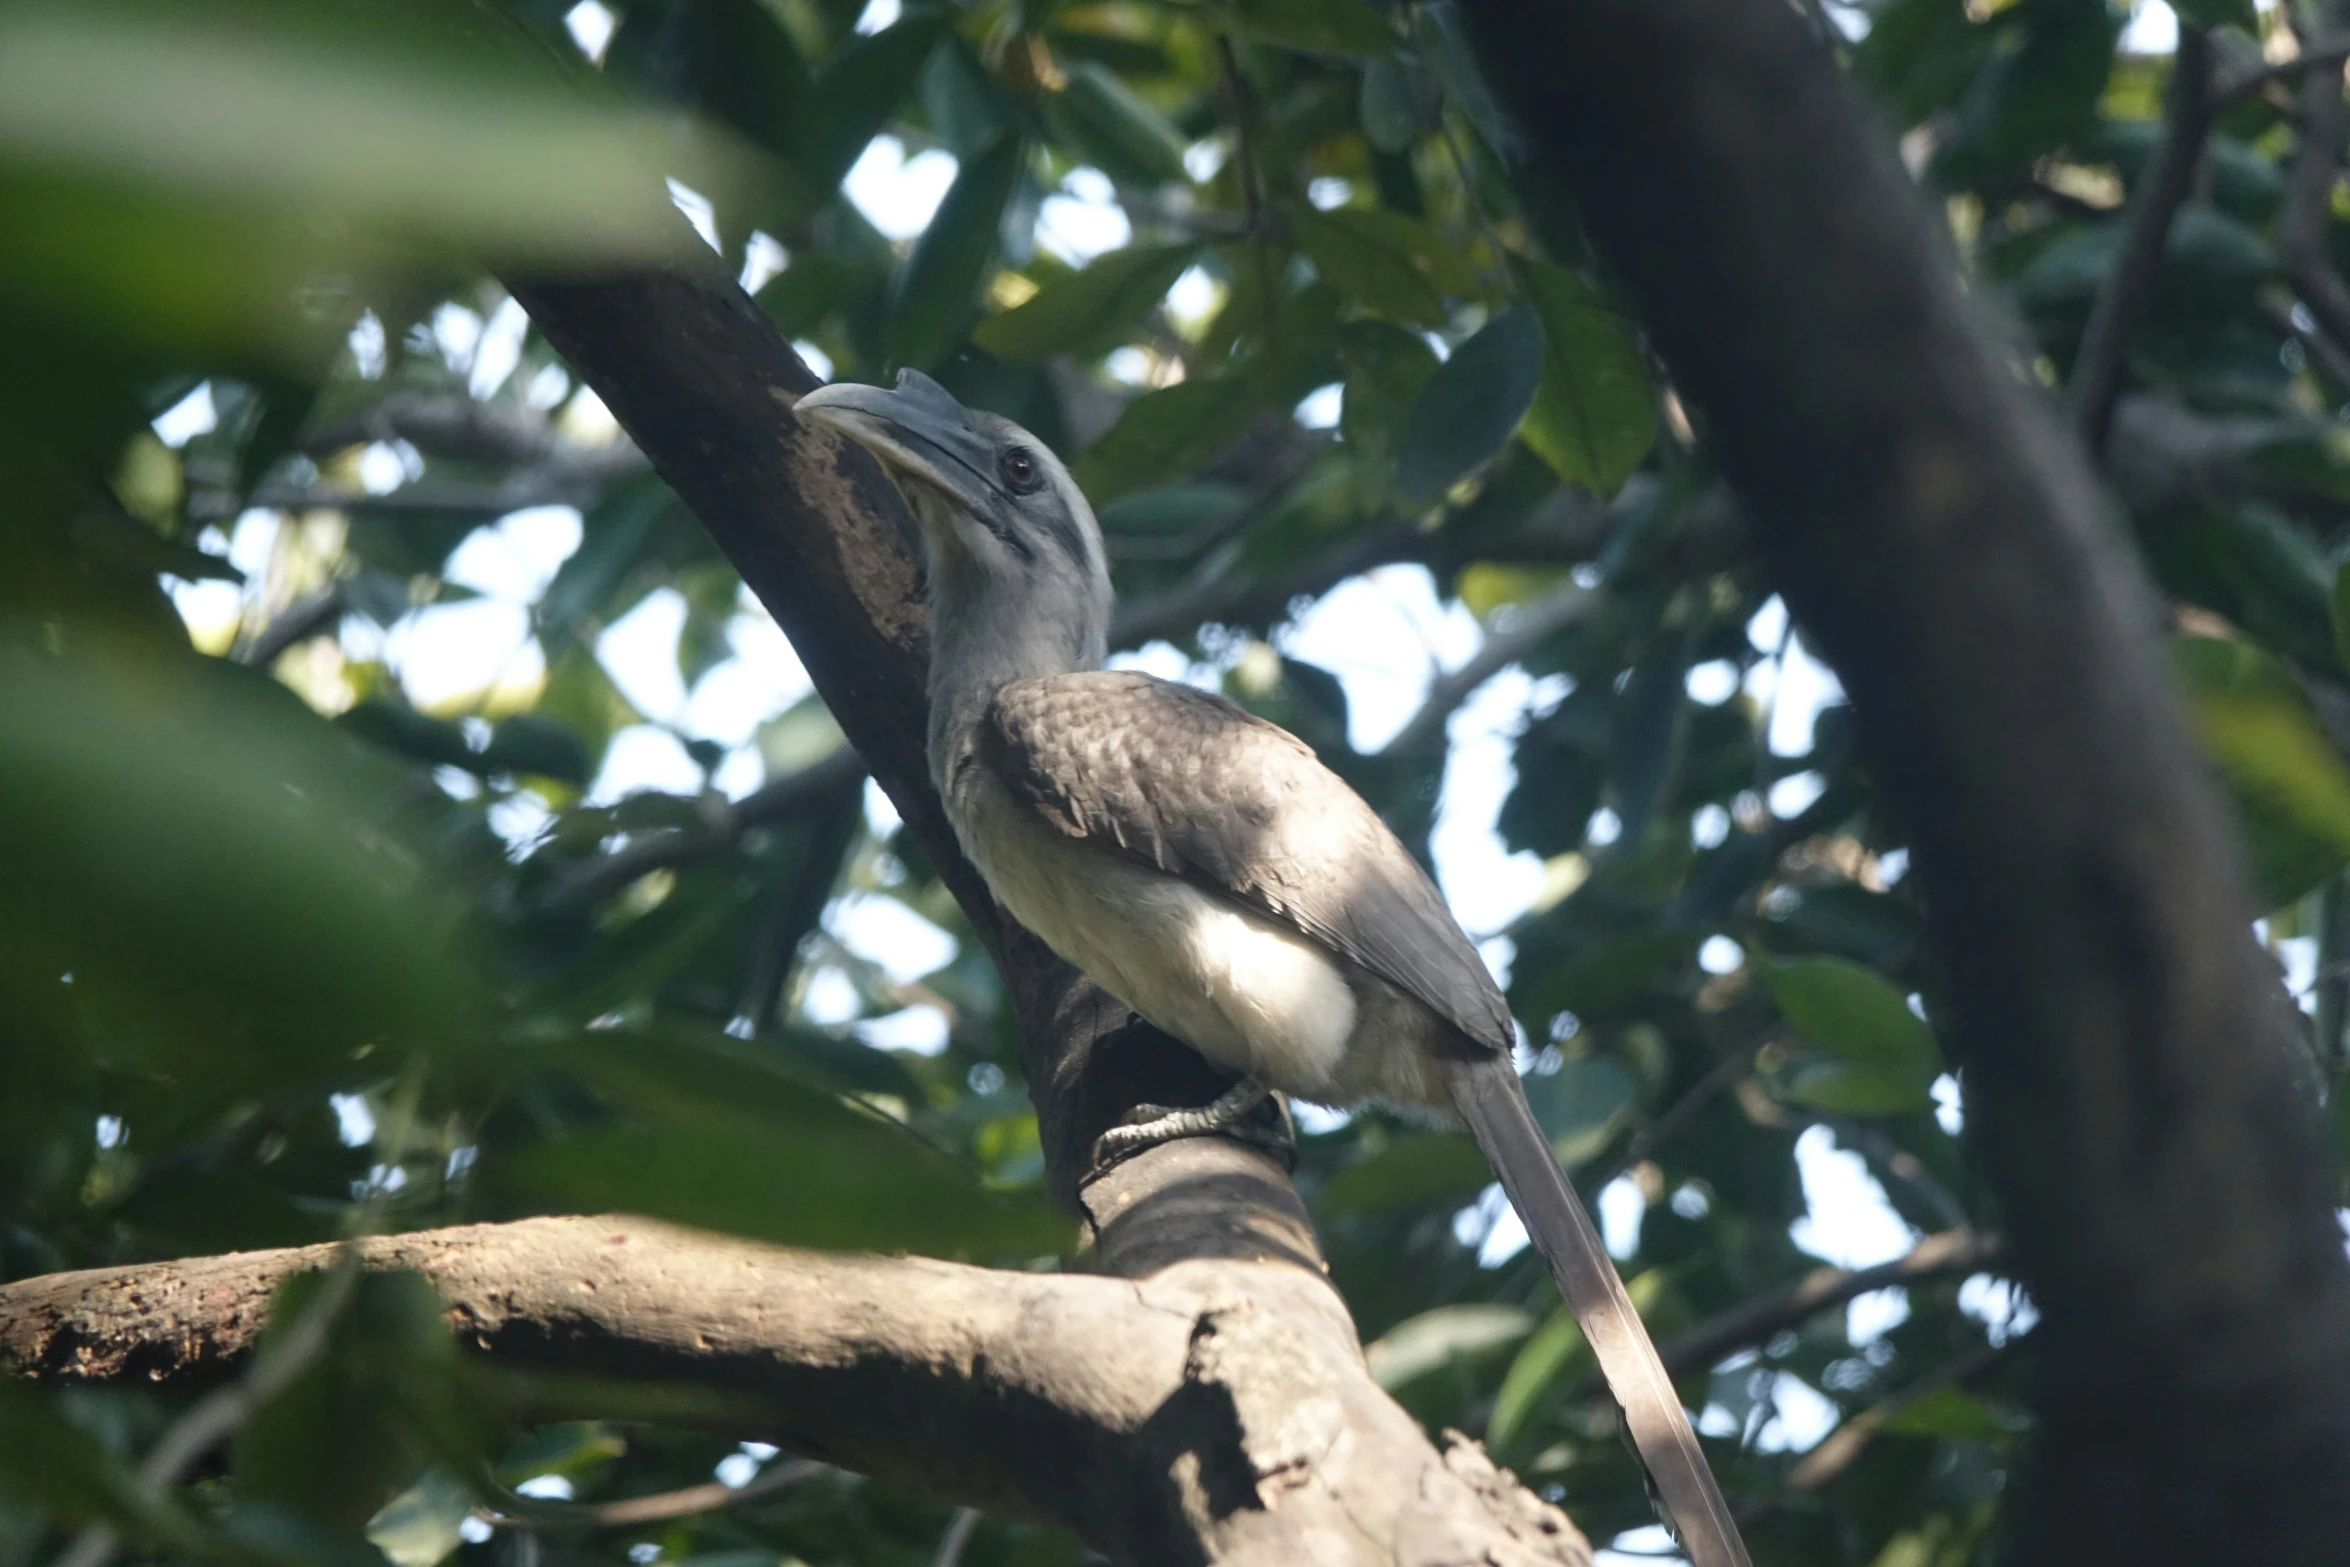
(1759, 1320)
(958, 1535)
(2100, 367)
(1242, 106)
(2329, 358)
(797, 907)
(2258, 79)
(1846, 1443)
(723, 826)
(298, 622)
(1533, 625)
(2308, 211)
(522, 1512)
(1658, 1132)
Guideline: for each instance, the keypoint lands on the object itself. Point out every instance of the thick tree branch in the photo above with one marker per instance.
(2102, 363)
(2129, 1061)
(1215, 1411)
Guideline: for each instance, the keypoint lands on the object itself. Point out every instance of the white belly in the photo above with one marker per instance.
(1249, 993)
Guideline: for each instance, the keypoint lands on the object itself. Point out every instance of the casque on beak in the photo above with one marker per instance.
(918, 431)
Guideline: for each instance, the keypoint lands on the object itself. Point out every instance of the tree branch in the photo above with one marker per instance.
(723, 825)
(1762, 1319)
(522, 1512)
(2235, 87)
(1216, 1411)
(2102, 363)
(1842, 1446)
(1527, 629)
(2130, 1061)
(2309, 207)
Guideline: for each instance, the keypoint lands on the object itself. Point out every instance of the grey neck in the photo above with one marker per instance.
(980, 643)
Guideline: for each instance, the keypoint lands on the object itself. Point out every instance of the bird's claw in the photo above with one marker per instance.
(1234, 1114)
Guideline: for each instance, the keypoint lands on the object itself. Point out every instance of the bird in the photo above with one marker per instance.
(1205, 868)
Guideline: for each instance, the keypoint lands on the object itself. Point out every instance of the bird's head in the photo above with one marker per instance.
(1006, 529)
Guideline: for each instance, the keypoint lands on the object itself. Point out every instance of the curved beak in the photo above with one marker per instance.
(918, 431)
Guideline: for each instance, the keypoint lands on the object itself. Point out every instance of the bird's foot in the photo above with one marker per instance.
(1234, 1114)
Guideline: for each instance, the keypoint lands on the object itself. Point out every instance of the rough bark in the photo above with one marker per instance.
(2127, 1054)
(1211, 1411)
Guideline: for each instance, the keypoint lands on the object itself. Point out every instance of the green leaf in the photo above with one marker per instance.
(857, 92)
(1362, 256)
(1313, 26)
(1434, 1340)
(1608, 978)
(728, 1139)
(1387, 368)
(1166, 433)
(53, 1466)
(2289, 782)
(190, 839)
(1553, 1350)
(1086, 312)
(1644, 738)
(331, 141)
(1848, 1088)
(1472, 405)
(1414, 1171)
(1555, 1357)
(2339, 603)
(1131, 141)
(932, 295)
(1580, 1104)
(1594, 417)
(1176, 514)
(421, 1526)
(1398, 103)
(357, 1423)
(1851, 1012)
(536, 747)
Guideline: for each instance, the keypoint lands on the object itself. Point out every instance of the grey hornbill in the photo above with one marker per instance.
(1204, 868)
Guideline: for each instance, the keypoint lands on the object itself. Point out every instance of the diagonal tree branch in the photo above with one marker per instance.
(1757, 1321)
(2130, 1062)
(2102, 363)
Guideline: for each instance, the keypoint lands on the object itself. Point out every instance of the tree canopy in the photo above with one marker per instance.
(366, 875)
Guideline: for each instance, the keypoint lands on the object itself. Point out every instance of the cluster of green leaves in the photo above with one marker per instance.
(286, 955)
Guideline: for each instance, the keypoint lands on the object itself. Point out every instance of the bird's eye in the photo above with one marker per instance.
(1020, 469)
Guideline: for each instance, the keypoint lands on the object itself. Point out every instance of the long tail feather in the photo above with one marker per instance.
(1490, 1099)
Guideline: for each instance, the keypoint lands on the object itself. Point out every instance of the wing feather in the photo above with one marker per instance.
(1199, 787)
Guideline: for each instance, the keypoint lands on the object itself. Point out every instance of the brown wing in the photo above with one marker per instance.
(1186, 781)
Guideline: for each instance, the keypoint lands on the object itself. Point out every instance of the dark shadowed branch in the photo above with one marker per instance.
(1758, 1321)
(2129, 1056)
(2102, 364)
